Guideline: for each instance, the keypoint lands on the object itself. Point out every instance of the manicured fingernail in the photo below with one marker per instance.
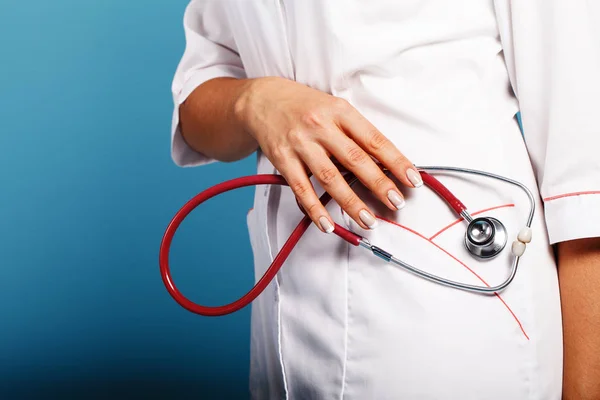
(396, 199)
(414, 177)
(368, 219)
(326, 225)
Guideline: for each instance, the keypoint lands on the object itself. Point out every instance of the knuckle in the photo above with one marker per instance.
(377, 140)
(399, 161)
(300, 189)
(340, 104)
(327, 176)
(312, 118)
(356, 155)
(296, 136)
(349, 202)
(277, 155)
(312, 209)
(381, 182)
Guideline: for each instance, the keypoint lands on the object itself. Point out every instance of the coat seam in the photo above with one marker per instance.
(347, 311)
(279, 345)
(268, 221)
(346, 323)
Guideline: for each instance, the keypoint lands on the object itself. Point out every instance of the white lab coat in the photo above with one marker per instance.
(338, 322)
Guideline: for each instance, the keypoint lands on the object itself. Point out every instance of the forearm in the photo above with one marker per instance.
(209, 123)
(579, 276)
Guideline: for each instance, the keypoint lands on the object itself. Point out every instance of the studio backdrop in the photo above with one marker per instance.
(87, 189)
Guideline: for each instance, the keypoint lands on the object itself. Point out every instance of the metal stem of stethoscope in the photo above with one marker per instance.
(465, 215)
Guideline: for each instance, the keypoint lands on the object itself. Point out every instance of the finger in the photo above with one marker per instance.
(295, 174)
(356, 160)
(376, 144)
(334, 183)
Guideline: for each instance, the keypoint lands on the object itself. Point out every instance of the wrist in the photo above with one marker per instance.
(250, 95)
(243, 102)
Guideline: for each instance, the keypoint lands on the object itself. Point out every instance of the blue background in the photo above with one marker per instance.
(87, 189)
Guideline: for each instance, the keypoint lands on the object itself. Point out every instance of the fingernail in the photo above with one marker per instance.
(326, 225)
(414, 177)
(368, 219)
(396, 199)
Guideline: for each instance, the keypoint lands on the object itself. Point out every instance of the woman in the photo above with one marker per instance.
(310, 82)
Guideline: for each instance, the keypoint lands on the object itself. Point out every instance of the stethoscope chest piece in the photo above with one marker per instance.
(485, 237)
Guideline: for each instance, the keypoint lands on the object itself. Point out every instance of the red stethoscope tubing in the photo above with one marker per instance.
(264, 179)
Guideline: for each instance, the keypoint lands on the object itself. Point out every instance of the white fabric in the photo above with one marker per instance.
(553, 56)
(210, 53)
(436, 78)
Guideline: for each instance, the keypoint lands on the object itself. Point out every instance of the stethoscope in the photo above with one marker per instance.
(485, 237)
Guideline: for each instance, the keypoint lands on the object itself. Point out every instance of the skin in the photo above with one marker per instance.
(579, 278)
(300, 129)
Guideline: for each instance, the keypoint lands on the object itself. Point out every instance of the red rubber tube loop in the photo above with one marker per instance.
(261, 285)
(263, 179)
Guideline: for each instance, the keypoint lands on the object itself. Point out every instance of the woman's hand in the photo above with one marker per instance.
(300, 128)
